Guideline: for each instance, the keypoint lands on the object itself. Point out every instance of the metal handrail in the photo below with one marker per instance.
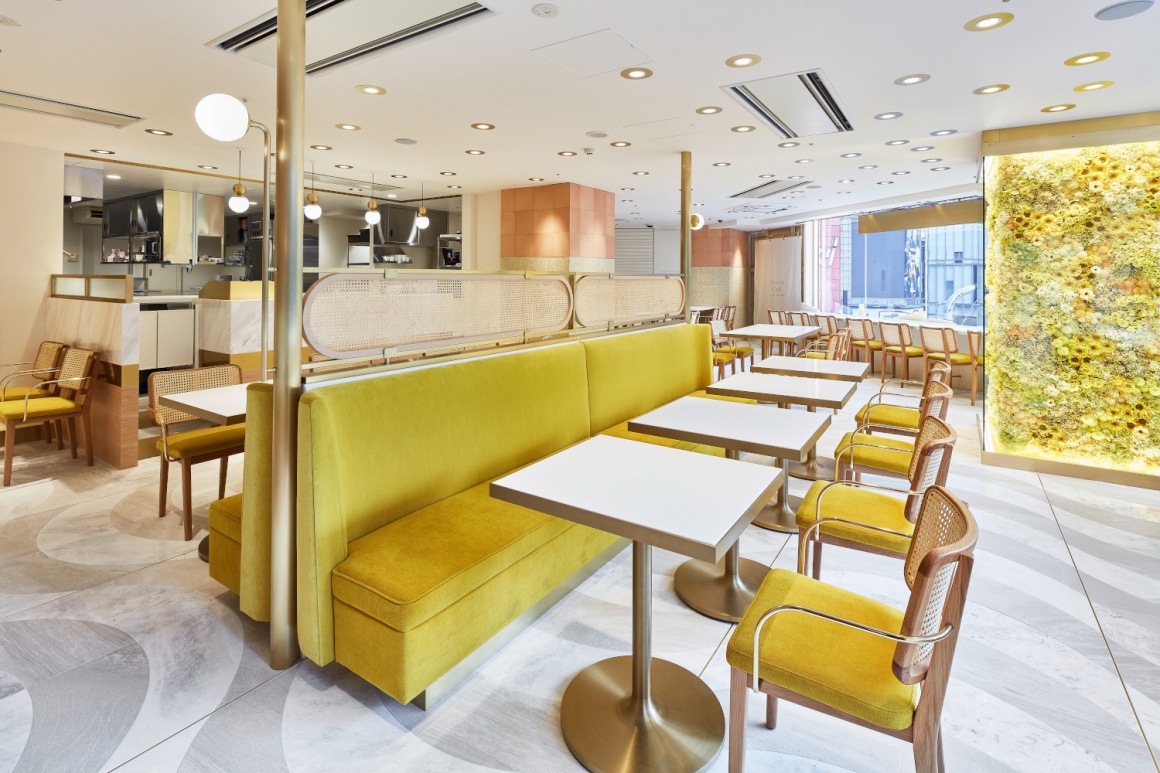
(10, 376)
(804, 539)
(855, 444)
(28, 396)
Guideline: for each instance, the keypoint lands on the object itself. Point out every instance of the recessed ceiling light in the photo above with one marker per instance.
(620, 144)
(721, 163)
(102, 152)
(159, 132)
(640, 174)
(993, 88)
(392, 195)
(850, 155)
(898, 142)
(900, 173)
(399, 176)
(1094, 86)
(628, 189)
(636, 73)
(931, 160)
(804, 161)
(743, 60)
(743, 129)
(343, 166)
(843, 192)
(795, 177)
(634, 213)
(813, 187)
(845, 181)
(112, 177)
(566, 153)
(322, 147)
(483, 127)
(887, 116)
(356, 190)
(406, 141)
(922, 149)
(448, 174)
(709, 110)
(939, 168)
(206, 166)
(869, 166)
(536, 179)
(912, 80)
(991, 21)
(944, 132)
(455, 186)
(1057, 108)
(886, 182)
(474, 152)
(347, 127)
(788, 144)
(375, 91)
(1124, 10)
(1081, 59)
(626, 201)
(765, 176)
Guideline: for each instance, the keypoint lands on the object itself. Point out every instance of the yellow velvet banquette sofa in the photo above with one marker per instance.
(406, 567)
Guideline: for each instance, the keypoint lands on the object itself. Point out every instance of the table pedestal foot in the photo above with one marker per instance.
(679, 730)
(721, 591)
(812, 469)
(203, 550)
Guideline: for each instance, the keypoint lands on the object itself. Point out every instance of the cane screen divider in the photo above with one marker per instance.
(351, 315)
(617, 300)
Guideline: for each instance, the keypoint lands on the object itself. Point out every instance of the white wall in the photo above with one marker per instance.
(666, 250)
(332, 233)
(31, 238)
(481, 231)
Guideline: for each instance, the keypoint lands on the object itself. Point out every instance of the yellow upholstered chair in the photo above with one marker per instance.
(855, 658)
(828, 323)
(859, 451)
(69, 398)
(835, 347)
(870, 518)
(896, 346)
(722, 354)
(739, 351)
(899, 413)
(941, 344)
(777, 317)
(197, 445)
(41, 368)
(799, 318)
(863, 339)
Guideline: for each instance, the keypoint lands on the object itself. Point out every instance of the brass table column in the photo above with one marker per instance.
(812, 468)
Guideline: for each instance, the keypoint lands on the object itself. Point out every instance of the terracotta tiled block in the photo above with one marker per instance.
(562, 216)
(541, 221)
(507, 200)
(560, 245)
(574, 244)
(525, 199)
(563, 195)
(587, 198)
(585, 222)
(525, 245)
(525, 221)
(507, 246)
(545, 197)
(507, 222)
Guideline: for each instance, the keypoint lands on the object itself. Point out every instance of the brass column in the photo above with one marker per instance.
(291, 132)
(687, 228)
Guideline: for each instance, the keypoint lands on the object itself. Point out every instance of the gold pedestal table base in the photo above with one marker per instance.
(781, 514)
(721, 591)
(639, 713)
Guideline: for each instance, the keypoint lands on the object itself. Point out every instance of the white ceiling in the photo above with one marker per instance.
(151, 59)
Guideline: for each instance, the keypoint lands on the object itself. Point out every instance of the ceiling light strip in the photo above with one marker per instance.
(33, 104)
(759, 109)
(818, 90)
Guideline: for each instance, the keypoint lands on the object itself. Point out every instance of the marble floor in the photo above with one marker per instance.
(117, 652)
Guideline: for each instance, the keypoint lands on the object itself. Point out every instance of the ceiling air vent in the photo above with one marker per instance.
(801, 104)
(341, 31)
(65, 110)
(765, 190)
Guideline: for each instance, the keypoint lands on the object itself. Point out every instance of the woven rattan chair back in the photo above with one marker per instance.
(730, 316)
(895, 333)
(799, 318)
(168, 382)
(936, 399)
(48, 359)
(719, 330)
(777, 317)
(930, 461)
(75, 364)
(944, 536)
(940, 372)
(941, 340)
(975, 343)
(828, 323)
(862, 329)
(838, 345)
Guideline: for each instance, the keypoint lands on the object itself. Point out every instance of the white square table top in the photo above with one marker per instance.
(839, 370)
(759, 429)
(814, 392)
(221, 405)
(690, 503)
(773, 332)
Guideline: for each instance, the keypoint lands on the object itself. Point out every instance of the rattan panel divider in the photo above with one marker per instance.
(358, 315)
(617, 300)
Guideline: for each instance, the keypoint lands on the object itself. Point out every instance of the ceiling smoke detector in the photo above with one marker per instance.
(597, 135)
(545, 11)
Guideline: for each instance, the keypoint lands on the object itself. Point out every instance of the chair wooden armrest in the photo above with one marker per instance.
(880, 399)
(29, 373)
(896, 637)
(28, 396)
(874, 425)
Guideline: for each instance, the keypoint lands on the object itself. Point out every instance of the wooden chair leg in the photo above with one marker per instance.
(72, 436)
(9, 450)
(942, 765)
(164, 486)
(59, 435)
(816, 568)
(222, 478)
(88, 427)
(738, 697)
(48, 432)
(187, 499)
(925, 751)
(974, 380)
(771, 712)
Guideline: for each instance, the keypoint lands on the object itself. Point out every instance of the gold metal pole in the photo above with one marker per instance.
(287, 331)
(265, 249)
(687, 228)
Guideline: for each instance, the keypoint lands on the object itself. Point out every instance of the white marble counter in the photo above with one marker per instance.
(167, 298)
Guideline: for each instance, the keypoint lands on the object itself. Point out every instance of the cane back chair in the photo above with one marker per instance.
(897, 346)
(859, 451)
(896, 412)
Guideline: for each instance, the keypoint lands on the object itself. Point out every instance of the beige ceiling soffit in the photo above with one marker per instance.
(933, 216)
(952, 192)
(1089, 132)
(65, 110)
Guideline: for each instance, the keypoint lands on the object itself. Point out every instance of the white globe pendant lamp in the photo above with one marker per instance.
(373, 216)
(238, 202)
(422, 221)
(312, 210)
(222, 117)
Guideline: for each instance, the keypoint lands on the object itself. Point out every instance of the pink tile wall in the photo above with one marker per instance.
(563, 220)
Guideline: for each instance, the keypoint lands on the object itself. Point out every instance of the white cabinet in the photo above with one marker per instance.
(166, 338)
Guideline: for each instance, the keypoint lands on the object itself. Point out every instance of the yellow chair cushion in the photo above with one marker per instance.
(874, 345)
(911, 351)
(889, 415)
(814, 355)
(197, 442)
(833, 664)
(894, 459)
(722, 358)
(740, 351)
(19, 393)
(957, 358)
(225, 516)
(863, 505)
(419, 565)
(37, 407)
(621, 431)
(703, 393)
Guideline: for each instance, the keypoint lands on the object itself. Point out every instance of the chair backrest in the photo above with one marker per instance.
(975, 342)
(828, 323)
(942, 547)
(838, 345)
(799, 318)
(730, 316)
(167, 382)
(862, 329)
(718, 327)
(895, 333)
(938, 339)
(48, 359)
(940, 372)
(930, 461)
(75, 364)
(776, 317)
(936, 399)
